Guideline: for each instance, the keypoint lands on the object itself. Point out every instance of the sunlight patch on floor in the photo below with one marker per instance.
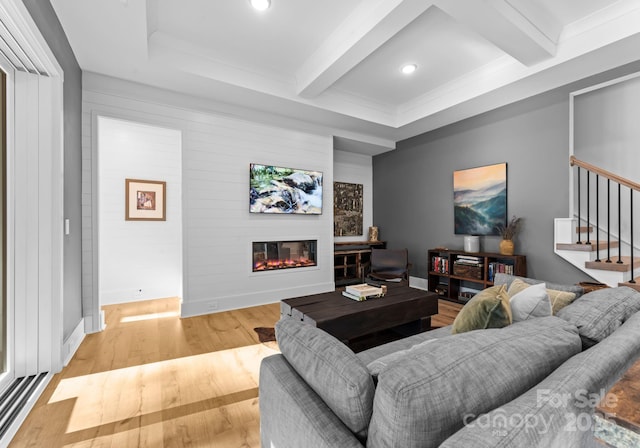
(219, 427)
(117, 396)
(150, 316)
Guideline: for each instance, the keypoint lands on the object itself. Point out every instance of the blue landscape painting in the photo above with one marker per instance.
(480, 200)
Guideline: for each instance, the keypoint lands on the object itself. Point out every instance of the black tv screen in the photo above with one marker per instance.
(276, 189)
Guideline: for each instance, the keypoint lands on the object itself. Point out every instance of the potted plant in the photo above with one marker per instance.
(508, 232)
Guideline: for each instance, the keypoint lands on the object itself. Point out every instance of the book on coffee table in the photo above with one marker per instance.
(363, 292)
(353, 297)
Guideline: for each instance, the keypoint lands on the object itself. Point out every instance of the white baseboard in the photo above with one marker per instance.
(226, 303)
(22, 416)
(72, 343)
(419, 283)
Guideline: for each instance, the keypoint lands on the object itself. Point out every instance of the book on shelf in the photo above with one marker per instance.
(363, 291)
(499, 268)
(469, 260)
(440, 264)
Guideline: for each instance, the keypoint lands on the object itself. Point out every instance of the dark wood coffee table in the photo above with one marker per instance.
(347, 319)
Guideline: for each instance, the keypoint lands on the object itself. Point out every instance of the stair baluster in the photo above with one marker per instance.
(633, 280)
(588, 206)
(608, 221)
(579, 216)
(619, 226)
(597, 219)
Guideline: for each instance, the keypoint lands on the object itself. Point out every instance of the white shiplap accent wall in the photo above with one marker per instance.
(138, 259)
(355, 168)
(217, 227)
(220, 228)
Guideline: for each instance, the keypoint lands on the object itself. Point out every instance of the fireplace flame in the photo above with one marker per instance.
(272, 264)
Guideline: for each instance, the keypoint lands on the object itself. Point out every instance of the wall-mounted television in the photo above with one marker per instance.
(275, 189)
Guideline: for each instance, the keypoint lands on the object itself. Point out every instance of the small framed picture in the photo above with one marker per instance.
(145, 200)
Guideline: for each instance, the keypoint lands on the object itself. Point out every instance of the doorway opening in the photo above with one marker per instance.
(139, 259)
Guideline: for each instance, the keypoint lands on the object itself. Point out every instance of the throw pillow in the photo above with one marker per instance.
(331, 369)
(487, 309)
(506, 279)
(531, 302)
(559, 299)
(601, 312)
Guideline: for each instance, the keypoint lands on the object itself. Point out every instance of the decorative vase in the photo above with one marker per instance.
(373, 233)
(472, 243)
(506, 247)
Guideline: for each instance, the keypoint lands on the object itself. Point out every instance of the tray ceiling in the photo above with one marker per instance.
(335, 64)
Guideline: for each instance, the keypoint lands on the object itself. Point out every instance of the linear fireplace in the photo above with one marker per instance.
(275, 255)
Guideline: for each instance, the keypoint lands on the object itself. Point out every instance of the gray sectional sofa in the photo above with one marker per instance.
(531, 384)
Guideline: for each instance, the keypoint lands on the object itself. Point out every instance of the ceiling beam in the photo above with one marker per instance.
(364, 31)
(529, 38)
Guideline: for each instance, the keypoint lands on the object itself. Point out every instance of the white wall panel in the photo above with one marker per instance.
(217, 226)
(138, 260)
(606, 134)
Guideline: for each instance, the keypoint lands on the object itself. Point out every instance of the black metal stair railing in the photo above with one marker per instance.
(620, 182)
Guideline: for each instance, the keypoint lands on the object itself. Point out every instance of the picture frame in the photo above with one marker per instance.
(480, 199)
(145, 200)
(347, 209)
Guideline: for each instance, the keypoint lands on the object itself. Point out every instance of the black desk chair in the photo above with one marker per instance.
(389, 265)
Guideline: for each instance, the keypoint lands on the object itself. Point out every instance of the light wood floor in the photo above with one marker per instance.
(447, 312)
(152, 379)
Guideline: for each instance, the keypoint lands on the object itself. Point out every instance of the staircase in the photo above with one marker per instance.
(599, 239)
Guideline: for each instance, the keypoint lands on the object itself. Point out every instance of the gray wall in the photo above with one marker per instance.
(413, 186)
(45, 18)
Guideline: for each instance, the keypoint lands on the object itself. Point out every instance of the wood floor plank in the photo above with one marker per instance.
(447, 312)
(152, 379)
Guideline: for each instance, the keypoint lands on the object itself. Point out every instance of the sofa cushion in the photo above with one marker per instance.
(599, 313)
(559, 299)
(370, 355)
(487, 309)
(558, 412)
(331, 369)
(507, 279)
(533, 301)
(376, 366)
(422, 400)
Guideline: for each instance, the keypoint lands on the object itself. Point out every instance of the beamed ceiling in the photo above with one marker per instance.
(334, 65)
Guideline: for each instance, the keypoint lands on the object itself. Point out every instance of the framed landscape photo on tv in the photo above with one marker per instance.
(278, 190)
(480, 200)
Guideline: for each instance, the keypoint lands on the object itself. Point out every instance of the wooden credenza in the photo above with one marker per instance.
(350, 260)
(448, 279)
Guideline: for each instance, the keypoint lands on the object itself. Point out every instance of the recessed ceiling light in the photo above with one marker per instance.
(409, 68)
(261, 5)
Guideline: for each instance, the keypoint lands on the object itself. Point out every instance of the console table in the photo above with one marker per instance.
(350, 259)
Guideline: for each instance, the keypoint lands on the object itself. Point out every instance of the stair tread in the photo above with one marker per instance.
(625, 266)
(635, 285)
(585, 247)
(584, 229)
